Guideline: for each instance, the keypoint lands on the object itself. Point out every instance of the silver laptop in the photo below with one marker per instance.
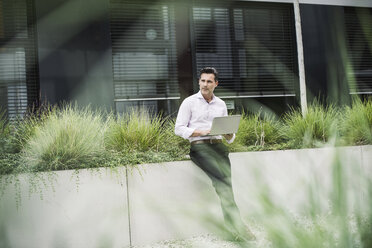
(225, 125)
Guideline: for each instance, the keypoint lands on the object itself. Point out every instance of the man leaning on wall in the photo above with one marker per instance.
(194, 121)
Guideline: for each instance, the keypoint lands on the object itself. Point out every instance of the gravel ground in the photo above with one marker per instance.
(206, 241)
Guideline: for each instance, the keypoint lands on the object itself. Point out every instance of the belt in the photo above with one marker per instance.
(206, 141)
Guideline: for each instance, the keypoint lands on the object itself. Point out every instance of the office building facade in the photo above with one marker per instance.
(118, 54)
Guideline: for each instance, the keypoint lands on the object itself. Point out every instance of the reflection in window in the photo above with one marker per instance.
(13, 19)
(358, 23)
(1, 21)
(13, 80)
(252, 46)
(144, 53)
(19, 86)
(212, 39)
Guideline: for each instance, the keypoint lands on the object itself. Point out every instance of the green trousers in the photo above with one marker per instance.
(214, 160)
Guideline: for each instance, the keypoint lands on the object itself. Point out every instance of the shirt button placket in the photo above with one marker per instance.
(208, 111)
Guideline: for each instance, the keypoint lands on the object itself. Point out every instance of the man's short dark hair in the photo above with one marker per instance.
(209, 70)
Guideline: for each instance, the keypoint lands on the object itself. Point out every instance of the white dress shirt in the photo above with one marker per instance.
(196, 113)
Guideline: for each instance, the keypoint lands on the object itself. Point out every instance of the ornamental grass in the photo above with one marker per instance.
(4, 131)
(68, 138)
(313, 130)
(135, 131)
(356, 124)
(259, 130)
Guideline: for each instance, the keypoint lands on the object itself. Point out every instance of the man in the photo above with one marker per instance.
(194, 121)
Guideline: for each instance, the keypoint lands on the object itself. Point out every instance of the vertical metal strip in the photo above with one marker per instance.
(300, 54)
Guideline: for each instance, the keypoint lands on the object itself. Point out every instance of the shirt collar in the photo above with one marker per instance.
(199, 94)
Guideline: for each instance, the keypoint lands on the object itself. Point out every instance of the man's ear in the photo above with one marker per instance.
(216, 83)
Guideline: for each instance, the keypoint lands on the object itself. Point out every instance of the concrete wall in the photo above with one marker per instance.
(289, 174)
(166, 201)
(94, 214)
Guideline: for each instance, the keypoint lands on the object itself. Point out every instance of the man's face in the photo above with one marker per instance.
(207, 83)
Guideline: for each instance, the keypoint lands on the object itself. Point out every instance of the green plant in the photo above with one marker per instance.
(23, 128)
(255, 130)
(69, 138)
(134, 131)
(313, 129)
(9, 163)
(4, 131)
(175, 146)
(356, 124)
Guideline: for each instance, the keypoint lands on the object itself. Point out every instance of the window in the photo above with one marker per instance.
(144, 55)
(358, 22)
(1, 21)
(18, 67)
(251, 44)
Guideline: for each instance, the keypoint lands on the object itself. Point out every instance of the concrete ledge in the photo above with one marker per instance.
(169, 201)
(287, 174)
(92, 214)
(166, 201)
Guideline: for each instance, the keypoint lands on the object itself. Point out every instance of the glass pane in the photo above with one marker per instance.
(252, 47)
(13, 80)
(144, 51)
(1, 20)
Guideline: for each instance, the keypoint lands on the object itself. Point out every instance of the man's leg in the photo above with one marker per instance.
(214, 161)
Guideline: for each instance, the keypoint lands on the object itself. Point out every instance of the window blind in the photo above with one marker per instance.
(19, 84)
(251, 44)
(358, 23)
(144, 50)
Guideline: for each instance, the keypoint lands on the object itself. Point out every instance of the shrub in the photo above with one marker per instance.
(9, 163)
(175, 146)
(4, 131)
(315, 129)
(69, 138)
(22, 129)
(257, 131)
(356, 124)
(134, 131)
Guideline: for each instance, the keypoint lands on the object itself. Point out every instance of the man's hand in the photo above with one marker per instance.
(200, 133)
(228, 136)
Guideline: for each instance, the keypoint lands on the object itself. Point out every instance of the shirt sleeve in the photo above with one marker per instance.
(225, 114)
(182, 121)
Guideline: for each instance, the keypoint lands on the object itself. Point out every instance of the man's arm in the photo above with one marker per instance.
(182, 121)
(183, 118)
